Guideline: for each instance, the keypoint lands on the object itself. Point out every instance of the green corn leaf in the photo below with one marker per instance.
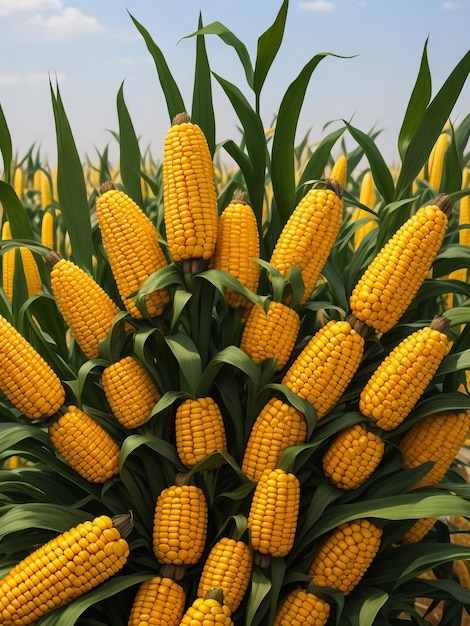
(129, 153)
(38, 515)
(367, 608)
(71, 187)
(380, 171)
(430, 126)
(268, 46)
(174, 100)
(189, 361)
(451, 179)
(202, 112)
(260, 589)
(417, 104)
(20, 224)
(6, 148)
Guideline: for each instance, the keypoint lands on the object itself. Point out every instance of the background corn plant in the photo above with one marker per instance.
(198, 354)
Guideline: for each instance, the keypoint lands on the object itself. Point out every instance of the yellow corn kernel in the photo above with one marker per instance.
(130, 392)
(302, 607)
(327, 364)
(180, 524)
(237, 247)
(436, 161)
(50, 577)
(18, 182)
(189, 195)
(45, 190)
(199, 430)
(87, 309)
(309, 234)
(273, 515)
(86, 446)
(211, 609)
(402, 377)
(28, 262)
(345, 555)
(367, 198)
(419, 530)
(277, 427)
(133, 248)
(353, 456)
(48, 237)
(159, 600)
(392, 279)
(26, 379)
(339, 171)
(228, 566)
(271, 334)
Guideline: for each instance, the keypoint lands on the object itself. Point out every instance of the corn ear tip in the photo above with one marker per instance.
(106, 186)
(181, 118)
(124, 523)
(51, 259)
(335, 186)
(444, 202)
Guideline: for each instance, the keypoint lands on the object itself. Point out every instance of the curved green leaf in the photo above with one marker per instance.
(129, 153)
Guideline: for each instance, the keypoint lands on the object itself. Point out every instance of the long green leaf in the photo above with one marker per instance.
(268, 46)
(417, 104)
(20, 224)
(174, 100)
(6, 147)
(130, 159)
(71, 187)
(202, 111)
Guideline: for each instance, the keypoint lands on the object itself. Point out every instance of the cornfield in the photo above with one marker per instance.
(238, 394)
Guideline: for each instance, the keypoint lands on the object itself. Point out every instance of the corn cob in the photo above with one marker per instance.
(63, 569)
(277, 427)
(30, 268)
(211, 609)
(353, 456)
(228, 566)
(272, 519)
(159, 600)
(302, 607)
(437, 437)
(189, 195)
(130, 392)
(199, 430)
(85, 306)
(47, 230)
(180, 526)
(464, 212)
(339, 171)
(86, 446)
(402, 377)
(436, 161)
(237, 247)
(325, 367)
(391, 281)
(345, 555)
(133, 248)
(45, 190)
(271, 334)
(309, 234)
(367, 198)
(18, 182)
(26, 379)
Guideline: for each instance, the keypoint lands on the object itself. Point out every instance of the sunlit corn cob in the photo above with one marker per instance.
(26, 379)
(309, 234)
(199, 430)
(30, 267)
(211, 609)
(367, 198)
(86, 446)
(345, 555)
(327, 364)
(133, 248)
(273, 515)
(18, 182)
(45, 190)
(86, 307)
(277, 427)
(180, 525)
(159, 600)
(271, 334)
(48, 230)
(353, 456)
(228, 566)
(130, 391)
(436, 161)
(189, 195)
(237, 246)
(392, 279)
(402, 377)
(302, 607)
(64, 569)
(339, 171)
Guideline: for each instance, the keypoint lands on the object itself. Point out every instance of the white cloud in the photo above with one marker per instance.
(317, 5)
(450, 6)
(9, 80)
(12, 7)
(136, 60)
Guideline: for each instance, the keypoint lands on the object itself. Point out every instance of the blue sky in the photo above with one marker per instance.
(92, 47)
